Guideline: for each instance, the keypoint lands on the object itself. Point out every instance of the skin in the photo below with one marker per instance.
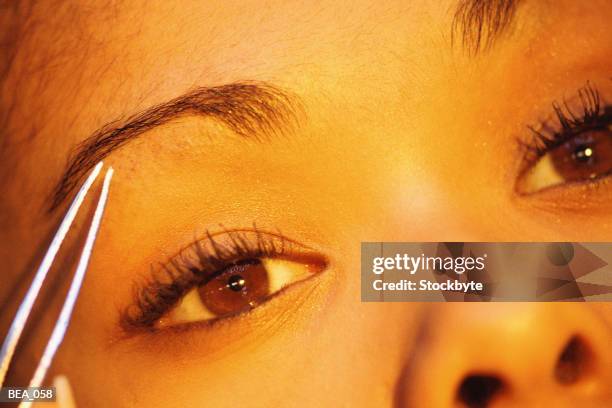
(402, 138)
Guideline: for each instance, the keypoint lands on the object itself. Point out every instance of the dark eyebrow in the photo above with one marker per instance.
(479, 23)
(250, 109)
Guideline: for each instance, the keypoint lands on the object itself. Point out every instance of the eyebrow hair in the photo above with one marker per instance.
(251, 109)
(479, 23)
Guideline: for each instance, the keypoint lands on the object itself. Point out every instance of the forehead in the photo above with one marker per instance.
(93, 64)
(77, 67)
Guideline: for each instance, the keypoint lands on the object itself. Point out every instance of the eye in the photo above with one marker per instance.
(236, 289)
(587, 156)
(218, 276)
(579, 151)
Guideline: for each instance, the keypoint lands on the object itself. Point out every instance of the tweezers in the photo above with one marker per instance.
(59, 330)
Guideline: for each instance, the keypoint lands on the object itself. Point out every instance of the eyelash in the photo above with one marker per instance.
(592, 117)
(196, 265)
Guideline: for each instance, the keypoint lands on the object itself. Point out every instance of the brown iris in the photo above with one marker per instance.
(239, 287)
(587, 156)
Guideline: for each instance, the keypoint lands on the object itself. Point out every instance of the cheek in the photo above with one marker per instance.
(306, 360)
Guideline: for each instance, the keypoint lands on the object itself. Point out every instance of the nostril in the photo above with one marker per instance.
(477, 391)
(573, 362)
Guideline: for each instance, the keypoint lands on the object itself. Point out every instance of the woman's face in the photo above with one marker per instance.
(267, 140)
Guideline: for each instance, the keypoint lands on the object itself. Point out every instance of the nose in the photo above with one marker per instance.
(510, 355)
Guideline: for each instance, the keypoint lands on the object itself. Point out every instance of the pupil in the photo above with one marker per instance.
(236, 283)
(583, 154)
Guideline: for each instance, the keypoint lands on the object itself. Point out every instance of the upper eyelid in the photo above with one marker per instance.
(554, 136)
(534, 140)
(222, 230)
(571, 103)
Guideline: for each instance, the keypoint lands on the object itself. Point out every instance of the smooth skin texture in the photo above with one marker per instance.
(400, 136)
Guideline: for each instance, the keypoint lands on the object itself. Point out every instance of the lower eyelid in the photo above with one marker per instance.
(551, 182)
(214, 336)
(592, 199)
